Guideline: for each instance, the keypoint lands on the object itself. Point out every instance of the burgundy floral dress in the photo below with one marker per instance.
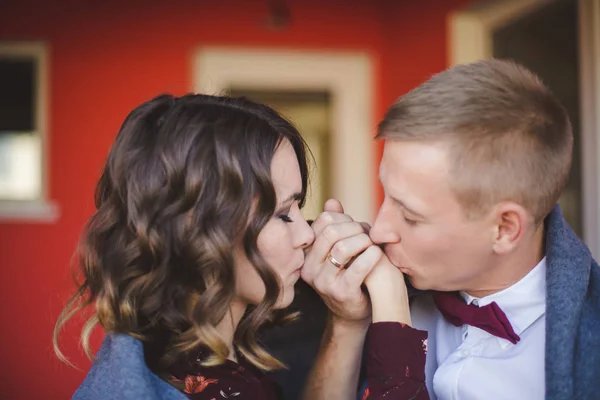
(395, 367)
(230, 380)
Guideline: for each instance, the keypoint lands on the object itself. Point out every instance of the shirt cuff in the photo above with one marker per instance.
(396, 349)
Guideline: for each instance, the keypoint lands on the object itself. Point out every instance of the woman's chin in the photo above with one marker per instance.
(286, 299)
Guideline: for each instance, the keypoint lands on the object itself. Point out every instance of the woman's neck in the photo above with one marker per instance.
(229, 324)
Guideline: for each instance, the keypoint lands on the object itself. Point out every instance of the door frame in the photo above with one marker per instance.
(470, 39)
(348, 77)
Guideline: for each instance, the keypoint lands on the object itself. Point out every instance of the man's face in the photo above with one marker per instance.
(422, 226)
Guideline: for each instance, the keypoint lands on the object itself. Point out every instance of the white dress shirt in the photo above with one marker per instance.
(467, 363)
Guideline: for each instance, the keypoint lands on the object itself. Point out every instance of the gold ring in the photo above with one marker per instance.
(335, 262)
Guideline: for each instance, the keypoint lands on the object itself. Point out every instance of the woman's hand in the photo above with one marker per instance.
(388, 293)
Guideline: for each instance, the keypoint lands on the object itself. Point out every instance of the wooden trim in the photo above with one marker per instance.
(346, 76)
(589, 52)
(470, 39)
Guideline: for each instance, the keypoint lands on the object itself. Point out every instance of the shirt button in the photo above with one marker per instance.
(465, 353)
(476, 302)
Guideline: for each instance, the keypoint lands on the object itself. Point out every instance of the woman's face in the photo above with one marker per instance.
(283, 239)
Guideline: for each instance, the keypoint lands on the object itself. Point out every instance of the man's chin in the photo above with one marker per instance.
(417, 283)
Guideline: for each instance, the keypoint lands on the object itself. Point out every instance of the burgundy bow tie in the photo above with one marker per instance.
(489, 318)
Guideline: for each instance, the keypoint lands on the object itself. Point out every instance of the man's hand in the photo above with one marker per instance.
(347, 242)
(336, 369)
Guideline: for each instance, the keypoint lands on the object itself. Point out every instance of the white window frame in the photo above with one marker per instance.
(469, 36)
(41, 210)
(347, 77)
(589, 50)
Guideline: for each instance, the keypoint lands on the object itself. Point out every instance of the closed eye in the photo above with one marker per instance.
(285, 218)
(411, 222)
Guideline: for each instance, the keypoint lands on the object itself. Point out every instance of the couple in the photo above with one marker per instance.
(198, 241)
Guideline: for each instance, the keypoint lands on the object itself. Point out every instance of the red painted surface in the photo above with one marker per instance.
(108, 56)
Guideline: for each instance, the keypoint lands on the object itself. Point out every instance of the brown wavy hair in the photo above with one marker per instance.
(186, 181)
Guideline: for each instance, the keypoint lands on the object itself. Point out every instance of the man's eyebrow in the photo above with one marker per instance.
(410, 210)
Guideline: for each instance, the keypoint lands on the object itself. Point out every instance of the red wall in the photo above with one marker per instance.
(108, 56)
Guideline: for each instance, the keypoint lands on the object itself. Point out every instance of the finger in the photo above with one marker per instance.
(333, 205)
(343, 251)
(356, 272)
(346, 249)
(315, 257)
(366, 226)
(327, 218)
(325, 278)
(331, 235)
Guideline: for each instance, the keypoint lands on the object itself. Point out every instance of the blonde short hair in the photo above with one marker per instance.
(509, 137)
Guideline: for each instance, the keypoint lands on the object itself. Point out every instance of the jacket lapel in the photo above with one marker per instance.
(567, 279)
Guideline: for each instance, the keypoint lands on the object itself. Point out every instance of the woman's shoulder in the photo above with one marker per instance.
(119, 371)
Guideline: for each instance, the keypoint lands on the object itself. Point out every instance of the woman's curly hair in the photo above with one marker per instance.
(186, 181)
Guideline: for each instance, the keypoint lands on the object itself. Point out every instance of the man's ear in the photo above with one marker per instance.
(510, 224)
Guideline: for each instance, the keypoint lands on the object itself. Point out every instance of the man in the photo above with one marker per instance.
(474, 162)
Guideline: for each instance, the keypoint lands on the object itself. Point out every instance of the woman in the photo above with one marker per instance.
(197, 240)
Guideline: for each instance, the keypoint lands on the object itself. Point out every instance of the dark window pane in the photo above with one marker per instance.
(17, 95)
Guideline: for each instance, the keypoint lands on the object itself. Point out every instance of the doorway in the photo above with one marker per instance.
(546, 42)
(335, 88)
(310, 112)
(560, 41)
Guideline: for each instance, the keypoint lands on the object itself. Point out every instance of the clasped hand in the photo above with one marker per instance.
(339, 240)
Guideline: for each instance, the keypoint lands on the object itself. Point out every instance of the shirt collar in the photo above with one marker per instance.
(523, 303)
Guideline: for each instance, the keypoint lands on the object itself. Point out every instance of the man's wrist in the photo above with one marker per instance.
(340, 326)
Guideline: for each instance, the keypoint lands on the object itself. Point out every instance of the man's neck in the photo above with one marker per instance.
(513, 268)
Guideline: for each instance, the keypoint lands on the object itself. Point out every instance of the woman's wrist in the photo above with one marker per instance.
(389, 302)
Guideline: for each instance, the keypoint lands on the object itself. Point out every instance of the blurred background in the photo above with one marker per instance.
(71, 70)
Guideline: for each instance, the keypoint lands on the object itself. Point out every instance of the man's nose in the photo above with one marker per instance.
(383, 231)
